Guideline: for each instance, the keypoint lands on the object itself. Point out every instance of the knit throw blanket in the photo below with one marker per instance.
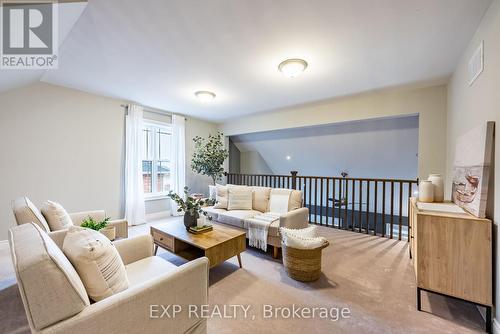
(258, 228)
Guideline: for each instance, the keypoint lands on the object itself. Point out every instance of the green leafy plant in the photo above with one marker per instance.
(95, 225)
(188, 204)
(209, 155)
(210, 201)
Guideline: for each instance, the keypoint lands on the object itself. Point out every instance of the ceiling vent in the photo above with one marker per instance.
(476, 64)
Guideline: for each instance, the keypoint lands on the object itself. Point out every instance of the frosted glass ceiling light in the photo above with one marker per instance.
(292, 68)
(205, 96)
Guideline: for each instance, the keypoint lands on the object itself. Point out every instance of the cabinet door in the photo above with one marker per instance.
(454, 257)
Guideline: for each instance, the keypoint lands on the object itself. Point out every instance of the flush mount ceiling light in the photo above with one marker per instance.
(292, 68)
(204, 96)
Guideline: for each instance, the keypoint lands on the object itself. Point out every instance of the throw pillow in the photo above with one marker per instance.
(221, 197)
(304, 243)
(260, 200)
(308, 232)
(97, 262)
(240, 198)
(302, 238)
(26, 212)
(295, 200)
(56, 216)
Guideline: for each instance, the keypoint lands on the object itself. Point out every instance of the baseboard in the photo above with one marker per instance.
(482, 311)
(157, 215)
(496, 326)
(4, 242)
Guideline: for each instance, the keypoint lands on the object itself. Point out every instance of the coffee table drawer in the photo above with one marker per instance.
(163, 240)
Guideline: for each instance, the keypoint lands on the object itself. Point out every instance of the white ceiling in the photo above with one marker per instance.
(68, 14)
(159, 53)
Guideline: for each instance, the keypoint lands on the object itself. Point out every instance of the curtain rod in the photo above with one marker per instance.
(153, 110)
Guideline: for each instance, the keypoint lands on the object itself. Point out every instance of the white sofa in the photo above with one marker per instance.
(297, 216)
(26, 212)
(56, 301)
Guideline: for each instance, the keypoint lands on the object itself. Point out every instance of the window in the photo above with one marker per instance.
(156, 159)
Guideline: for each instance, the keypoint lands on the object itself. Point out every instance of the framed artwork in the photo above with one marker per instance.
(472, 167)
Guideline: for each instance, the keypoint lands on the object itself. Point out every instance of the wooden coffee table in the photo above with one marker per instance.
(218, 245)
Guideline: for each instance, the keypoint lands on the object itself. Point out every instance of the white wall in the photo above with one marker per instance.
(194, 127)
(470, 106)
(429, 103)
(66, 145)
(251, 162)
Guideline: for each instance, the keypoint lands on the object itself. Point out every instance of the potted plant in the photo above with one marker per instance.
(192, 207)
(209, 155)
(102, 226)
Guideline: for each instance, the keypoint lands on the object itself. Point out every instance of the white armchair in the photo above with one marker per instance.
(55, 300)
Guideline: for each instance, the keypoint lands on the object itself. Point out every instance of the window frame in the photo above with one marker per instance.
(153, 156)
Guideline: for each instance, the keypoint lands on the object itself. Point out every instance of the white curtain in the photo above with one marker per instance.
(134, 191)
(178, 167)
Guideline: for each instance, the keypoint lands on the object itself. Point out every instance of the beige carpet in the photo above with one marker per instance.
(371, 276)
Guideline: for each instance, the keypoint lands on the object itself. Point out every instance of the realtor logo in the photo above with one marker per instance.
(29, 34)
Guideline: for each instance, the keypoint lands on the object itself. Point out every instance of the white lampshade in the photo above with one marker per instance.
(292, 68)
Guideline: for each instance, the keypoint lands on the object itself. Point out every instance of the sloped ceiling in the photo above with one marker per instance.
(382, 148)
(159, 53)
(69, 12)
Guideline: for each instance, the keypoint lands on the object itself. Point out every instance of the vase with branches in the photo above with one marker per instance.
(192, 207)
(209, 155)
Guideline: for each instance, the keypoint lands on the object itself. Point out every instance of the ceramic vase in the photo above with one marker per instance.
(438, 183)
(425, 191)
(190, 220)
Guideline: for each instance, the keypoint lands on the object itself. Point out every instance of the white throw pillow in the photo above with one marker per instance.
(304, 243)
(97, 262)
(56, 216)
(305, 238)
(221, 197)
(308, 232)
(240, 198)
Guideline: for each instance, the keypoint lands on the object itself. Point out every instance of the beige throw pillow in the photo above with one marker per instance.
(295, 200)
(261, 198)
(26, 212)
(221, 197)
(97, 262)
(239, 198)
(56, 216)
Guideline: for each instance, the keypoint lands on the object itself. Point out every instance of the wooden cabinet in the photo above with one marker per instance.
(452, 253)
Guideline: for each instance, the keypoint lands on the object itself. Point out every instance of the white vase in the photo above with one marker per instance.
(425, 191)
(438, 182)
(201, 221)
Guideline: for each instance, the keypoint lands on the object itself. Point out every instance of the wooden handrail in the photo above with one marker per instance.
(330, 177)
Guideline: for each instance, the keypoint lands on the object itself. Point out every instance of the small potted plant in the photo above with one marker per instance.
(192, 207)
(102, 226)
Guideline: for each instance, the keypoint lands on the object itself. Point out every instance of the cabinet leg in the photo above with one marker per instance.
(488, 319)
(156, 249)
(419, 299)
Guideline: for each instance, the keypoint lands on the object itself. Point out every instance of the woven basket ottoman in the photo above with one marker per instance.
(303, 264)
